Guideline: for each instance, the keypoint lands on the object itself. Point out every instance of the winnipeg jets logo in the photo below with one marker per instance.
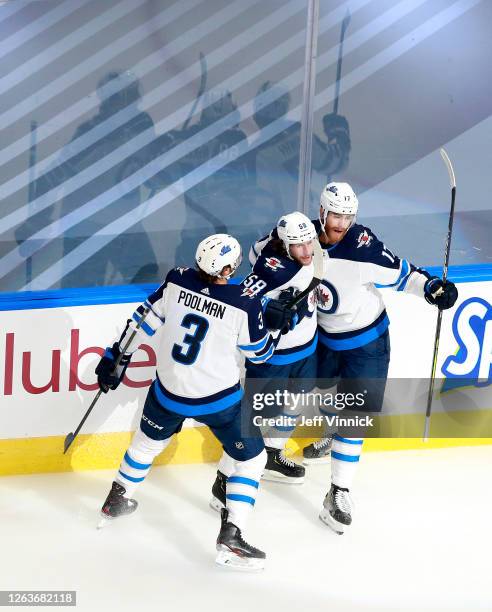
(206, 291)
(328, 299)
(273, 263)
(364, 239)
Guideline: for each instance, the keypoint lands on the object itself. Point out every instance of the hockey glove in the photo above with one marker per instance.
(109, 377)
(442, 295)
(278, 316)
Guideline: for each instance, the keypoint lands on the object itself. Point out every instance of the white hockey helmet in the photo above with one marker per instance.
(295, 228)
(216, 252)
(338, 198)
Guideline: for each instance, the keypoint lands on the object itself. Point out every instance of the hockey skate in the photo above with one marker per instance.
(116, 505)
(281, 469)
(233, 551)
(218, 500)
(317, 452)
(337, 508)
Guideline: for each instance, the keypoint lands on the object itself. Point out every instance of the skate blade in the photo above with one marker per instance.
(216, 504)
(231, 561)
(318, 461)
(272, 476)
(104, 521)
(327, 519)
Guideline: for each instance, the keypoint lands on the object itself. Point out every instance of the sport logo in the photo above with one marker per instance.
(239, 445)
(472, 329)
(273, 263)
(205, 290)
(364, 239)
(327, 297)
(225, 249)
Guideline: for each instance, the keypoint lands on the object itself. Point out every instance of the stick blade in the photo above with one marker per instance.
(449, 166)
(346, 21)
(68, 442)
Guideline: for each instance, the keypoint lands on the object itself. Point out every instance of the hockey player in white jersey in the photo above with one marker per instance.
(284, 268)
(354, 344)
(206, 322)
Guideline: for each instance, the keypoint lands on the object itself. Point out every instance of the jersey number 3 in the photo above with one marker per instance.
(188, 354)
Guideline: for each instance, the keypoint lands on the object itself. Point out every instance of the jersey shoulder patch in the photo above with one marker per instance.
(274, 269)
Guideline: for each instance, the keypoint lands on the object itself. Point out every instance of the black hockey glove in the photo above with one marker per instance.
(337, 131)
(107, 376)
(442, 295)
(278, 316)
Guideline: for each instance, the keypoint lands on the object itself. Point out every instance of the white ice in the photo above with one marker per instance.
(420, 540)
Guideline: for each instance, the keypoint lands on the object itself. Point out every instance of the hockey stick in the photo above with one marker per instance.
(317, 276)
(71, 436)
(201, 90)
(447, 246)
(345, 25)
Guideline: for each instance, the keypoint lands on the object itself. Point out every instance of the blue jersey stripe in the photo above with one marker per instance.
(192, 410)
(241, 498)
(405, 269)
(255, 347)
(342, 457)
(355, 341)
(262, 357)
(147, 329)
(243, 480)
(286, 358)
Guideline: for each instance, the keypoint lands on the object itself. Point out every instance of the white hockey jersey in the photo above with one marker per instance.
(351, 311)
(206, 328)
(274, 274)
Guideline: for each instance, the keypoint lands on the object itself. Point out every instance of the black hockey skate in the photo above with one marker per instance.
(233, 551)
(317, 452)
(218, 500)
(280, 469)
(336, 509)
(116, 504)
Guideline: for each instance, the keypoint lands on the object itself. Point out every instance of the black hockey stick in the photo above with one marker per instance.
(447, 246)
(317, 276)
(71, 436)
(345, 25)
(201, 90)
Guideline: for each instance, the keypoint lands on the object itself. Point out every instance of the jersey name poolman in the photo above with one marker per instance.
(214, 309)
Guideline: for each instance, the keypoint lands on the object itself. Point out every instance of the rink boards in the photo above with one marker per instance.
(50, 348)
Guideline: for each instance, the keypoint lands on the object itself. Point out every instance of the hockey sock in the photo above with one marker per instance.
(277, 436)
(345, 454)
(138, 460)
(227, 464)
(242, 487)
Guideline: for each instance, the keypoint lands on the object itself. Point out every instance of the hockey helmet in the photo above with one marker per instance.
(295, 228)
(216, 252)
(338, 198)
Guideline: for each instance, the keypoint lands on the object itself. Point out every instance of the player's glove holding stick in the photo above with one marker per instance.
(442, 295)
(111, 368)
